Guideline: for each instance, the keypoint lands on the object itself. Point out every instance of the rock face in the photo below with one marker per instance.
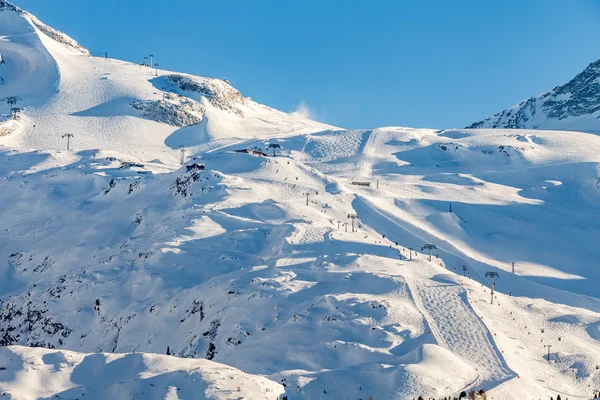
(181, 114)
(572, 106)
(218, 92)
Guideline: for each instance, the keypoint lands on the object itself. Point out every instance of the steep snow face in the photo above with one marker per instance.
(57, 36)
(572, 106)
(27, 69)
(30, 373)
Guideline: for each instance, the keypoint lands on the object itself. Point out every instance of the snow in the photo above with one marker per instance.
(41, 373)
(112, 263)
(573, 106)
(70, 92)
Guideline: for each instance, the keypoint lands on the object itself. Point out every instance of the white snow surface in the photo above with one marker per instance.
(36, 373)
(64, 90)
(113, 248)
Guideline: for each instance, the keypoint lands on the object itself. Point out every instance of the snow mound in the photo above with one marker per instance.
(30, 373)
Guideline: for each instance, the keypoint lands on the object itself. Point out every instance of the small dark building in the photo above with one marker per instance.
(253, 152)
(127, 165)
(195, 167)
(361, 183)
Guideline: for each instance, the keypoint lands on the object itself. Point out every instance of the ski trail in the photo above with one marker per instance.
(452, 320)
(365, 165)
(458, 328)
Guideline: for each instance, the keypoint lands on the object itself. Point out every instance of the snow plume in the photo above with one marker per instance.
(304, 111)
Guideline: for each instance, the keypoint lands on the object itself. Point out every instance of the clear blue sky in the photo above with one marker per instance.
(356, 64)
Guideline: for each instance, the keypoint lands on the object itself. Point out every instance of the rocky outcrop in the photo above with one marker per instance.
(578, 98)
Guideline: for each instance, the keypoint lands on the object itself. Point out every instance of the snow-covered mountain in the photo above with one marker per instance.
(119, 105)
(252, 262)
(572, 106)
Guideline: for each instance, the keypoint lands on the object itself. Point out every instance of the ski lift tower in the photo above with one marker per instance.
(353, 217)
(429, 246)
(68, 136)
(492, 275)
(14, 112)
(182, 155)
(274, 146)
(549, 346)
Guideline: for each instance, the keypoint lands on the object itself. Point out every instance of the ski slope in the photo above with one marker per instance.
(115, 249)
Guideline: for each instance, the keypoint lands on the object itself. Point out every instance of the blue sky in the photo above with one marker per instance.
(355, 64)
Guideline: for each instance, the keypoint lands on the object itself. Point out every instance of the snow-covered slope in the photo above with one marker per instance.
(572, 106)
(34, 373)
(116, 105)
(231, 264)
(253, 262)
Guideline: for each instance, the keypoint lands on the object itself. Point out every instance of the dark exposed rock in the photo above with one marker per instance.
(219, 93)
(212, 332)
(6, 6)
(211, 352)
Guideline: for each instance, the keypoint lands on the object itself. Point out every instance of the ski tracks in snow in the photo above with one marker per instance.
(457, 327)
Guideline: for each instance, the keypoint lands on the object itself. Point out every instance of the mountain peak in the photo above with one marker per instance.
(574, 105)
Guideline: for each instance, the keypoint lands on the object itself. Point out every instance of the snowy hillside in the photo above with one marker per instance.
(230, 264)
(39, 373)
(115, 105)
(254, 262)
(572, 106)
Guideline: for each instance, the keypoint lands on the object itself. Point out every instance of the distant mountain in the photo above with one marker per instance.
(572, 106)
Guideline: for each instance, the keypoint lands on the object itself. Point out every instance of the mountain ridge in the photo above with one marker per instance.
(46, 29)
(574, 105)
